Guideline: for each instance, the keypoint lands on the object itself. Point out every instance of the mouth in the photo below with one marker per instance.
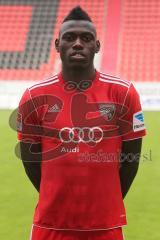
(77, 56)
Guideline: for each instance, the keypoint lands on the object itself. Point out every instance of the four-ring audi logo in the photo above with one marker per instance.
(84, 134)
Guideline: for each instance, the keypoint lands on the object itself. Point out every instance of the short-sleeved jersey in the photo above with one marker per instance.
(81, 130)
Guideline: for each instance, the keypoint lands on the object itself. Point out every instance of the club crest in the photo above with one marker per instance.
(107, 110)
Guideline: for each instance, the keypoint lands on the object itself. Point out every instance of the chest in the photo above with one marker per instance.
(90, 108)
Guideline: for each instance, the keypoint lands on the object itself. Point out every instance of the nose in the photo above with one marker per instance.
(78, 44)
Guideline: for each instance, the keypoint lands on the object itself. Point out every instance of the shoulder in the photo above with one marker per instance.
(118, 88)
(114, 81)
(42, 86)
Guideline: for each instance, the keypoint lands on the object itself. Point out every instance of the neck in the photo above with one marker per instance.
(78, 74)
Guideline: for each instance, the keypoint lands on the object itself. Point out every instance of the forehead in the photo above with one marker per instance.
(77, 26)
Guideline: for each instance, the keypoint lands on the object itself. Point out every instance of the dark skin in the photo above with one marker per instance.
(77, 37)
(32, 162)
(77, 45)
(130, 164)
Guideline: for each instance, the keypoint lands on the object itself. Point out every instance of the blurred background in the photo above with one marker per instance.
(129, 32)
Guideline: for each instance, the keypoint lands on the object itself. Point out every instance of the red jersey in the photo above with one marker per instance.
(81, 132)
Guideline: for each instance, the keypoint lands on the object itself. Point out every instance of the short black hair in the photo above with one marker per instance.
(77, 13)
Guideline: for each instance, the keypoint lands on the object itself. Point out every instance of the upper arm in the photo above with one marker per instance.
(134, 117)
(27, 120)
(27, 123)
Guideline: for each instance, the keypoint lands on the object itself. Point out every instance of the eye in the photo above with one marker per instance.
(87, 37)
(69, 37)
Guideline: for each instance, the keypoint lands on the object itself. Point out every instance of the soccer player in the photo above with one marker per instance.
(80, 138)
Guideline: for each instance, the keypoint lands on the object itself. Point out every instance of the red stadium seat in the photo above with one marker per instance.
(139, 41)
(129, 35)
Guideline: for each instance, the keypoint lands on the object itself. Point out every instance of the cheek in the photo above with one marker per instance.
(91, 47)
(91, 52)
(64, 50)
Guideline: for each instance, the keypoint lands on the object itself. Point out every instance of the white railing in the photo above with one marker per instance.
(11, 92)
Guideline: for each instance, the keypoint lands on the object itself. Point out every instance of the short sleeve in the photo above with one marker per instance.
(27, 120)
(134, 115)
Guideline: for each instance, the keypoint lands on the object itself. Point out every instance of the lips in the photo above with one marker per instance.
(77, 56)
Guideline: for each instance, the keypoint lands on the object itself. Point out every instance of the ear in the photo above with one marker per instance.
(57, 44)
(98, 45)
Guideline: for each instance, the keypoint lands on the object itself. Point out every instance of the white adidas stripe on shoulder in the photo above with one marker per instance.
(49, 81)
(109, 76)
(113, 82)
(112, 79)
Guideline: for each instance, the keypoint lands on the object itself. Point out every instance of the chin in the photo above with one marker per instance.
(78, 65)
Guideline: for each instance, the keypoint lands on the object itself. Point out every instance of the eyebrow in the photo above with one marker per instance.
(74, 32)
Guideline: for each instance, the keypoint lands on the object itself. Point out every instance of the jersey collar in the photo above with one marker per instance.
(63, 82)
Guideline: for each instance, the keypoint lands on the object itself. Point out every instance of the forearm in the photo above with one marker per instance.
(128, 172)
(129, 163)
(33, 172)
(31, 159)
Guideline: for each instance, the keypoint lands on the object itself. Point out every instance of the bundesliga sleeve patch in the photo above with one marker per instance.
(138, 121)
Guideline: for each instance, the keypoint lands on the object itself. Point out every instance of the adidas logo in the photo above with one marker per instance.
(54, 108)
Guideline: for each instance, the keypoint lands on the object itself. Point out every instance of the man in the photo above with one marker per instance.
(80, 138)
